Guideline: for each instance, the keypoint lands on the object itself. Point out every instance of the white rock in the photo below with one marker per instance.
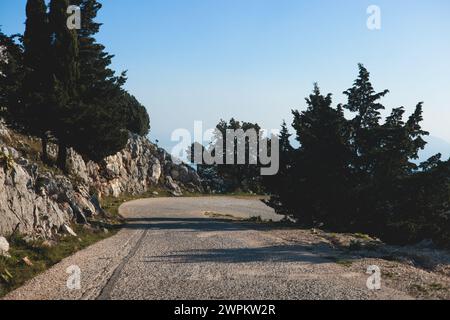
(70, 231)
(4, 246)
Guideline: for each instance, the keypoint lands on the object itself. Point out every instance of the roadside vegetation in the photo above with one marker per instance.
(28, 258)
(357, 171)
(351, 170)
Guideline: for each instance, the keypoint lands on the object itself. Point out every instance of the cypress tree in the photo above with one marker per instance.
(36, 42)
(65, 76)
(64, 51)
(36, 84)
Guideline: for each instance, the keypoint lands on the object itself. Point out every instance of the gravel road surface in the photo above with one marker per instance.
(184, 248)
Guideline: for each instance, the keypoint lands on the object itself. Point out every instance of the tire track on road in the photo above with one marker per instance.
(105, 294)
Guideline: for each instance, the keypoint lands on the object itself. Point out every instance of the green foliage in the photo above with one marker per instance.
(279, 185)
(105, 111)
(11, 79)
(97, 133)
(37, 69)
(60, 84)
(99, 85)
(312, 174)
(135, 115)
(360, 175)
(6, 161)
(226, 177)
(14, 272)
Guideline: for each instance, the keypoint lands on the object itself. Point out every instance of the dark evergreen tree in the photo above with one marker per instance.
(240, 176)
(97, 134)
(65, 76)
(285, 136)
(421, 205)
(383, 154)
(11, 80)
(36, 85)
(36, 109)
(365, 140)
(321, 167)
(64, 51)
(280, 185)
(97, 80)
(134, 114)
(106, 111)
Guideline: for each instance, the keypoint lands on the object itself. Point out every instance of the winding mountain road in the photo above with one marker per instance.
(185, 248)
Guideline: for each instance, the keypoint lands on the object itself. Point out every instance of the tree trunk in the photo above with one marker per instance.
(45, 158)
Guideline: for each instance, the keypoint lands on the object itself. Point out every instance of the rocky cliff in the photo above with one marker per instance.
(38, 201)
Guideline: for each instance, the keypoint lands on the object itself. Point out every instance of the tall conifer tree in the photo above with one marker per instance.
(36, 42)
(36, 84)
(65, 76)
(106, 110)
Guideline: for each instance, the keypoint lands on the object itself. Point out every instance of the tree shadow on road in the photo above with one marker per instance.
(189, 224)
(288, 253)
(314, 253)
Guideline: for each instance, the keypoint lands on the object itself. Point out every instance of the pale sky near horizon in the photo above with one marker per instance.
(255, 60)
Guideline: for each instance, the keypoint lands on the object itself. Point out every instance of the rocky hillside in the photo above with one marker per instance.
(38, 201)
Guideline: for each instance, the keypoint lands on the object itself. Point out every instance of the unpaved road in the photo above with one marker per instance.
(171, 250)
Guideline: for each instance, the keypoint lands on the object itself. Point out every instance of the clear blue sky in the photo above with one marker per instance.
(257, 59)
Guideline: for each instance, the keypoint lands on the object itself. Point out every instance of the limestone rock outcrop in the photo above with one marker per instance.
(134, 170)
(36, 201)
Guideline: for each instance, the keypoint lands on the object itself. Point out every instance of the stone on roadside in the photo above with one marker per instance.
(174, 188)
